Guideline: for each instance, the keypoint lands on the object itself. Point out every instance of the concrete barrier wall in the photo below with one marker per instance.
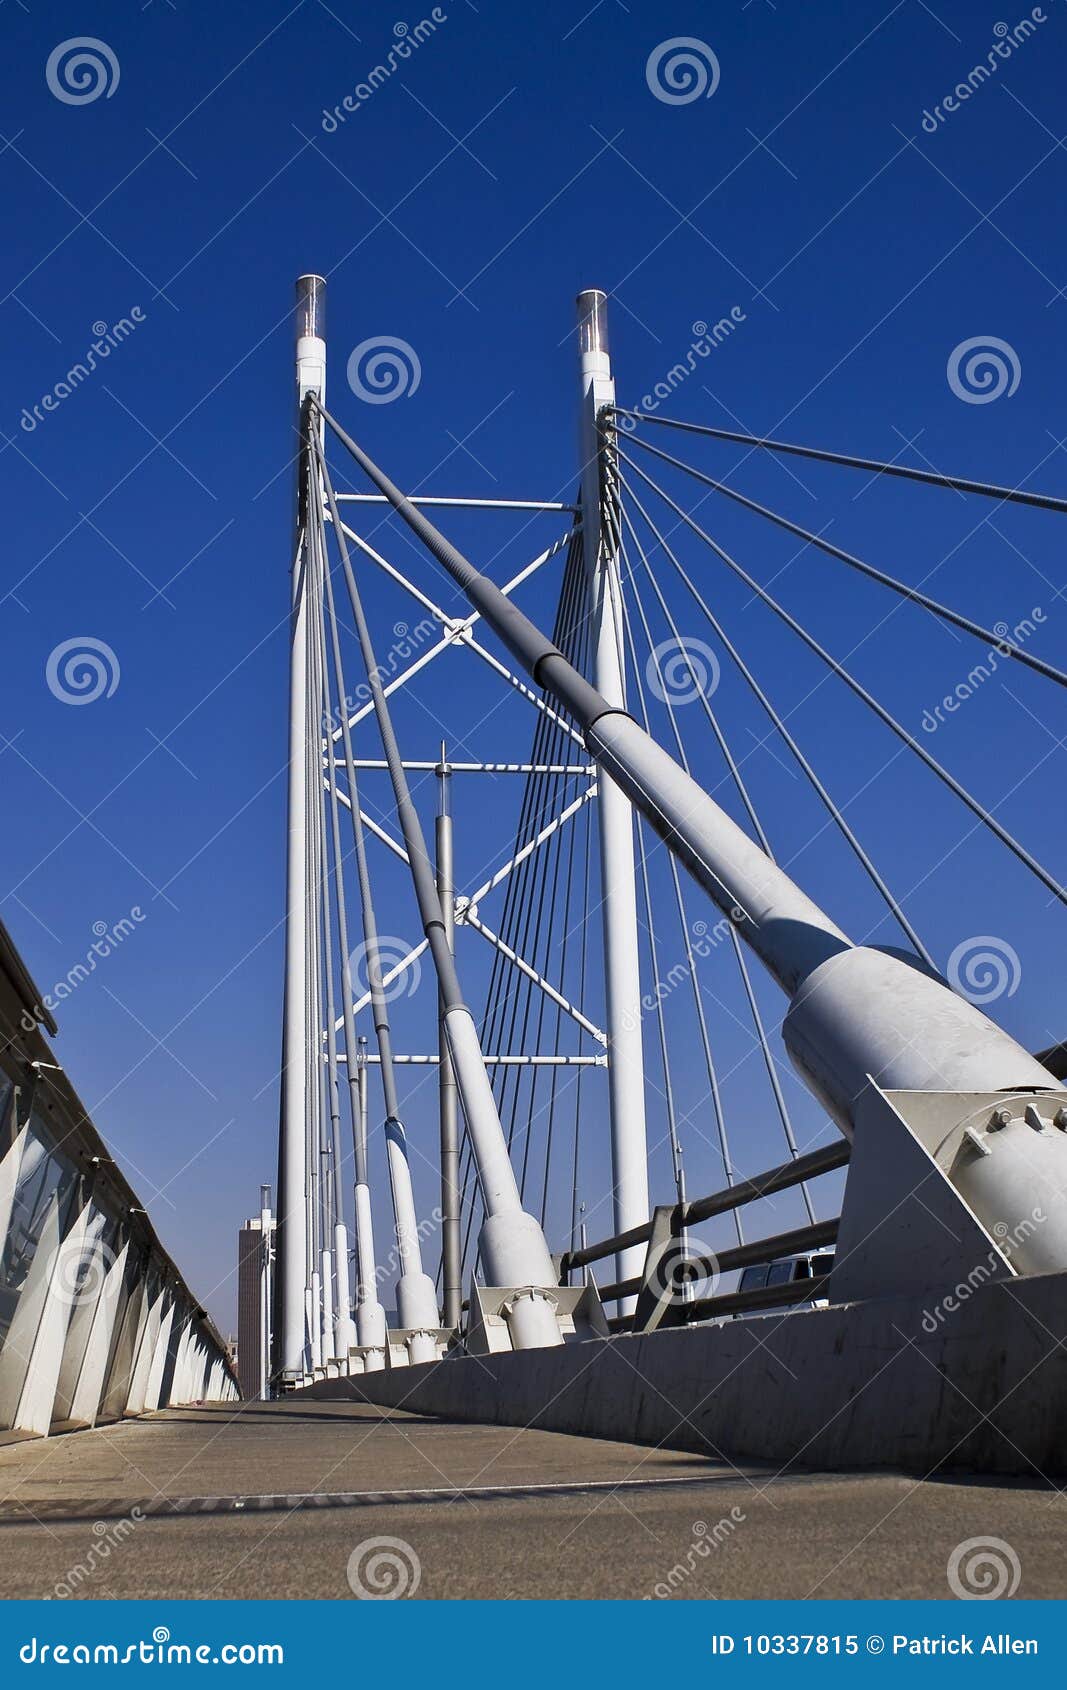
(968, 1379)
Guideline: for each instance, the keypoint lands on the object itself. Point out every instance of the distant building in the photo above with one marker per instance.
(255, 1259)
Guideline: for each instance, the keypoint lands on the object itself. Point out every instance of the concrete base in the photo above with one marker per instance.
(971, 1377)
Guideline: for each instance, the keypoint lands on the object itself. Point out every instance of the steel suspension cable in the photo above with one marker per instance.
(525, 895)
(530, 1316)
(778, 723)
(548, 897)
(396, 1140)
(365, 1286)
(1006, 647)
(317, 1159)
(985, 816)
(650, 921)
(1014, 495)
(575, 644)
(366, 1279)
(709, 1060)
(575, 1158)
(753, 1006)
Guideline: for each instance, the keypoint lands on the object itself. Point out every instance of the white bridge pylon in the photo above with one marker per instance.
(861, 1022)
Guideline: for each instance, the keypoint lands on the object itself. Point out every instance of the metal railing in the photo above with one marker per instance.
(669, 1262)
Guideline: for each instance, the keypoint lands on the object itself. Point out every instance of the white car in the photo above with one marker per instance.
(788, 1271)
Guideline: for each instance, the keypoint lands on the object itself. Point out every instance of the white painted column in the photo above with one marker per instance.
(154, 1382)
(85, 1403)
(48, 1298)
(626, 1075)
(291, 1333)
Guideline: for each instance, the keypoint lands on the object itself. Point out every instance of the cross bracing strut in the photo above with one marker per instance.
(857, 1017)
(471, 504)
(416, 1300)
(496, 878)
(836, 1032)
(512, 1244)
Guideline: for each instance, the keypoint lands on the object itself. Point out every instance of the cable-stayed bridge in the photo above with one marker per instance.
(953, 1134)
(851, 1256)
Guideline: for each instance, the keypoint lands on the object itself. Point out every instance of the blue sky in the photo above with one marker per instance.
(514, 157)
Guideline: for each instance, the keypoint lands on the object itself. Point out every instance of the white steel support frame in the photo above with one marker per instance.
(310, 1301)
(511, 1242)
(464, 906)
(296, 1319)
(448, 1096)
(626, 1073)
(861, 1023)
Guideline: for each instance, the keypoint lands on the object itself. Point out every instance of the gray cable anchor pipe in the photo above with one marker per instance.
(512, 1246)
(857, 1014)
(416, 1297)
(720, 856)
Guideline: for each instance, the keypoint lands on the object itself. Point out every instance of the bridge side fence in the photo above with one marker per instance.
(675, 1266)
(96, 1322)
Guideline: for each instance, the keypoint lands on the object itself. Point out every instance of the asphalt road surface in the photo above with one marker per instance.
(294, 1500)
